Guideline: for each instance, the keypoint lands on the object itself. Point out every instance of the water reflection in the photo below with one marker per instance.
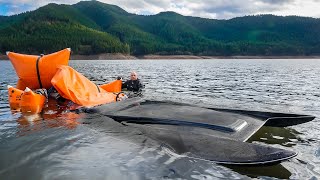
(36, 122)
(275, 135)
(53, 115)
(277, 171)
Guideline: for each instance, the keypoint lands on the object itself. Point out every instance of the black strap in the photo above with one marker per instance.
(50, 90)
(117, 97)
(38, 72)
(98, 88)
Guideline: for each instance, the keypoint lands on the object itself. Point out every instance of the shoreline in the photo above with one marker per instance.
(119, 56)
(151, 57)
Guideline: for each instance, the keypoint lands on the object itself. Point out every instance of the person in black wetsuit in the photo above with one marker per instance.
(134, 84)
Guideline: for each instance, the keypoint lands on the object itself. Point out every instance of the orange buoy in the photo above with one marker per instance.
(36, 72)
(14, 95)
(114, 86)
(31, 102)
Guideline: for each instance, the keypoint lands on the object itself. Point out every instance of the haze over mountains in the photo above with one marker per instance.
(92, 27)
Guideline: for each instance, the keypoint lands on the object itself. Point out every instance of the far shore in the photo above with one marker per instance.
(118, 56)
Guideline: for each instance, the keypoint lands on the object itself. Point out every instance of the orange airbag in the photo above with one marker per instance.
(114, 86)
(74, 86)
(14, 97)
(25, 101)
(25, 66)
(32, 102)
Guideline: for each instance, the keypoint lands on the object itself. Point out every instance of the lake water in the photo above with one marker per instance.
(54, 145)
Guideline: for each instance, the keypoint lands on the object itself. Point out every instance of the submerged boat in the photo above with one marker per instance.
(213, 134)
(208, 133)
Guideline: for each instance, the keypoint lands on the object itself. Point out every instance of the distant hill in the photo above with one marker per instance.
(92, 27)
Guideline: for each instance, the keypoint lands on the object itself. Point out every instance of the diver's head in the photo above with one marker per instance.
(133, 75)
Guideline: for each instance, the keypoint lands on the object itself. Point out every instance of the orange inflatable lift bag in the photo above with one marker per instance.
(74, 86)
(114, 86)
(36, 72)
(26, 101)
(14, 95)
(31, 102)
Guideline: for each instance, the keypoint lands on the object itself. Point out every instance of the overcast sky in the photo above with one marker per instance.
(216, 9)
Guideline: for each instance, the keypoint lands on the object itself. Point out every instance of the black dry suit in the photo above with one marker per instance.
(133, 85)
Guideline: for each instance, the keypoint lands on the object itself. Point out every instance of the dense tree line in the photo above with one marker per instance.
(92, 27)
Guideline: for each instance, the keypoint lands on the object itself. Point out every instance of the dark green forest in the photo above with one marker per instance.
(92, 27)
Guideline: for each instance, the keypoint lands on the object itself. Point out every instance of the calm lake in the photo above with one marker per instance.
(54, 145)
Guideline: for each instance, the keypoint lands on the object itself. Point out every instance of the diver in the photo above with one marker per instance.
(133, 85)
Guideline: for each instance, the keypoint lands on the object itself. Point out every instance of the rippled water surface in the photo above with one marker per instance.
(59, 144)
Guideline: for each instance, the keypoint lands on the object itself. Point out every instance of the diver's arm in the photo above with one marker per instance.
(140, 85)
(124, 85)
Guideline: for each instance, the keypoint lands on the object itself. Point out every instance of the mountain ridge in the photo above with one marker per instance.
(93, 27)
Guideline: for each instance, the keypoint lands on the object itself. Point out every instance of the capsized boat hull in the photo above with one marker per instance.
(198, 132)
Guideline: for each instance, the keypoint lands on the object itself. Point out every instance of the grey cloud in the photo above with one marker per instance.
(228, 9)
(223, 9)
(18, 6)
(163, 4)
(280, 2)
(220, 9)
(140, 6)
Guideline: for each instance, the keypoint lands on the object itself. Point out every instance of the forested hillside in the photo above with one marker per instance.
(92, 27)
